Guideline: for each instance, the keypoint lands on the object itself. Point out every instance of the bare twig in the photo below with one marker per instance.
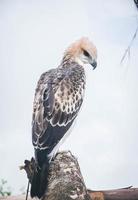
(127, 51)
(27, 191)
(136, 3)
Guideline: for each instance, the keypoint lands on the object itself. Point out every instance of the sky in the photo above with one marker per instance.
(33, 37)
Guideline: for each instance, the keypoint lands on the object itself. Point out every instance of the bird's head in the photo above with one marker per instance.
(83, 51)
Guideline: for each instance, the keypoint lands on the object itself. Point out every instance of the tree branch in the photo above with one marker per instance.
(127, 51)
(66, 183)
(128, 193)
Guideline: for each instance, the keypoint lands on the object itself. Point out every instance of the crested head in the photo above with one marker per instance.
(83, 51)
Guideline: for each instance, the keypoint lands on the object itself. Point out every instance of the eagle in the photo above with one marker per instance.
(58, 97)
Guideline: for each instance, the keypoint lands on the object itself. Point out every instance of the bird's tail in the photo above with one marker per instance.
(40, 180)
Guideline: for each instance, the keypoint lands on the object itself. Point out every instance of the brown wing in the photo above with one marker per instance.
(57, 101)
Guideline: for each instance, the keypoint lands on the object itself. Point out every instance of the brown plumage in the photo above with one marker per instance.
(58, 98)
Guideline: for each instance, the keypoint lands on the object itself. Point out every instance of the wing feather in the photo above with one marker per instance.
(57, 102)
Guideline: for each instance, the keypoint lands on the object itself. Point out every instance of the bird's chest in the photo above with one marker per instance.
(78, 82)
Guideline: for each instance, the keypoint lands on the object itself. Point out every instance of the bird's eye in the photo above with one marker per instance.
(86, 53)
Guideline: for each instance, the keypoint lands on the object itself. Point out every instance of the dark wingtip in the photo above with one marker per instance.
(40, 181)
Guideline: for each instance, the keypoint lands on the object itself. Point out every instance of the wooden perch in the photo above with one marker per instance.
(66, 183)
(128, 193)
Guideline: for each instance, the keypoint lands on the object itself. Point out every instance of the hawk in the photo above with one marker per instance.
(58, 98)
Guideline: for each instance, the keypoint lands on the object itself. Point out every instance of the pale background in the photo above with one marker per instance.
(33, 37)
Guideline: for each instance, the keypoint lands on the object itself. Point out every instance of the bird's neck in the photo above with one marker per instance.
(69, 59)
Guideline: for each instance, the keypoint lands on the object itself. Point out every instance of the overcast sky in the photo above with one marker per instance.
(33, 37)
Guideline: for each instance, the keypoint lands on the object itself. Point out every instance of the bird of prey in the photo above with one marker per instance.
(58, 98)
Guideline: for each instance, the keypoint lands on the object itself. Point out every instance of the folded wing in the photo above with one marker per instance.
(57, 101)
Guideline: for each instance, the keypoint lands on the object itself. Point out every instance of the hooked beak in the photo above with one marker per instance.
(94, 64)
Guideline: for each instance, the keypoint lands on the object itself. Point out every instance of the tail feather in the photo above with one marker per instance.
(40, 180)
(44, 178)
(35, 184)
